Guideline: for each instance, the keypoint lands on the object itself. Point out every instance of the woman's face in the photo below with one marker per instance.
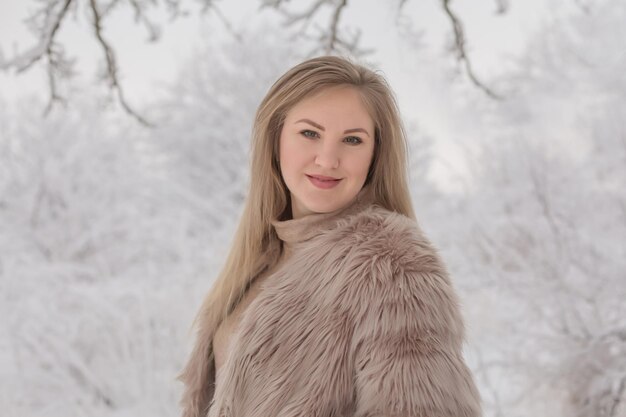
(326, 147)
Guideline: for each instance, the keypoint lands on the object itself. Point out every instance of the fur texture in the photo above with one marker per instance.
(361, 321)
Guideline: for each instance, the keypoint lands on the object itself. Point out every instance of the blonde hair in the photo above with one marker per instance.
(268, 197)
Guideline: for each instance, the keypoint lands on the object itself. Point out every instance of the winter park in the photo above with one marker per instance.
(125, 130)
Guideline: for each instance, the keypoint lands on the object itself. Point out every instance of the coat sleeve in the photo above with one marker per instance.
(408, 343)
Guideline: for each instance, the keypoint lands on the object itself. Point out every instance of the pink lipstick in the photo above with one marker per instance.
(323, 182)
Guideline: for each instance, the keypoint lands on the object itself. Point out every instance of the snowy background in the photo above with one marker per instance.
(111, 233)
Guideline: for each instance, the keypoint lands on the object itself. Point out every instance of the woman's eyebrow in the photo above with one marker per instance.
(312, 123)
(320, 127)
(357, 129)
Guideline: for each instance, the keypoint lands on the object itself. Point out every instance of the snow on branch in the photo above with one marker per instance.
(57, 64)
(329, 39)
(51, 24)
(46, 22)
(140, 17)
(502, 6)
(111, 65)
(332, 36)
(459, 46)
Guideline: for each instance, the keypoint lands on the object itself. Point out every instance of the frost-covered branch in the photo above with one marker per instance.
(50, 27)
(461, 51)
(459, 46)
(46, 23)
(326, 18)
(334, 24)
(56, 63)
(141, 17)
(329, 38)
(111, 64)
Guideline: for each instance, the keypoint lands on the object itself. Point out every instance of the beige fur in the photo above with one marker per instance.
(361, 320)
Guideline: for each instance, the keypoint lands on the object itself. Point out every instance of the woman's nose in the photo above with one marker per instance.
(327, 157)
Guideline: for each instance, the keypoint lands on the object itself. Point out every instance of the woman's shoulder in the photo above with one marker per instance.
(377, 230)
(391, 250)
(399, 266)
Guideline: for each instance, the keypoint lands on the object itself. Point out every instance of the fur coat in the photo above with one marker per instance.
(361, 321)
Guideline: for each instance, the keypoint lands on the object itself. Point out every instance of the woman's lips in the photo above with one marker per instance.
(323, 182)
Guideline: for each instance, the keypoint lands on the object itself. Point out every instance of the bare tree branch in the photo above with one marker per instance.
(46, 47)
(459, 43)
(52, 23)
(154, 32)
(111, 65)
(57, 64)
(334, 23)
(329, 37)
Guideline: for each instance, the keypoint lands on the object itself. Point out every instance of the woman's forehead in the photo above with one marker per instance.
(342, 104)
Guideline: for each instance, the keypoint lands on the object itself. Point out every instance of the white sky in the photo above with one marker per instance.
(422, 78)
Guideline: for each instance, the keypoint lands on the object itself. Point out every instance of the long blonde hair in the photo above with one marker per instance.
(268, 196)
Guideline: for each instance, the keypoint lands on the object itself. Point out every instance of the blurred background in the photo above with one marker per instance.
(124, 137)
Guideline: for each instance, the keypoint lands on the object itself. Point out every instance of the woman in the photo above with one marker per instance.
(331, 302)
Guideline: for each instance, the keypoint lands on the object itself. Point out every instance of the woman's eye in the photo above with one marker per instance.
(309, 133)
(353, 140)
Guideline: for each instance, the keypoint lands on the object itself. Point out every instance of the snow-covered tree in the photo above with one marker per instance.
(97, 268)
(547, 236)
(206, 123)
(322, 22)
(110, 236)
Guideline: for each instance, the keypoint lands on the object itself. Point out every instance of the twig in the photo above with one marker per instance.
(45, 45)
(140, 16)
(44, 48)
(459, 42)
(334, 23)
(330, 40)
(112, 66)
